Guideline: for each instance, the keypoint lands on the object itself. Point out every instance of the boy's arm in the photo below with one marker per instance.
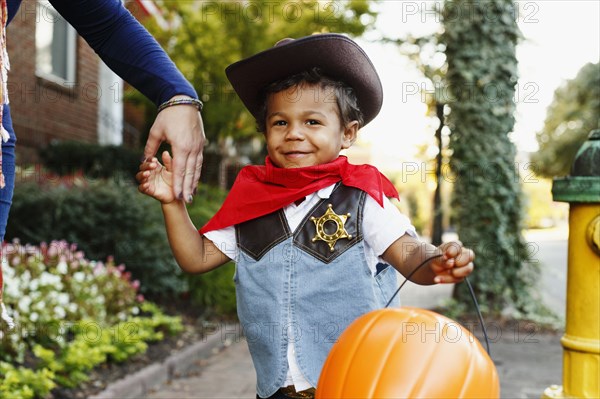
(193, 252)
(407, 253)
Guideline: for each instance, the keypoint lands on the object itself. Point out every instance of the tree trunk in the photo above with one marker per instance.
(438, 230)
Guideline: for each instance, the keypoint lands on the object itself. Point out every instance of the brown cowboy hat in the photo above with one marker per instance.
(337, 55)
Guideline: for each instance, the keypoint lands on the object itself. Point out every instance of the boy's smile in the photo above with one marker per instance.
(304, 127)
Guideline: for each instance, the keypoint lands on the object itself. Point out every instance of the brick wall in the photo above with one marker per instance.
(42, 110)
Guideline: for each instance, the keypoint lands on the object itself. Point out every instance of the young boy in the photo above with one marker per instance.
(307, 230)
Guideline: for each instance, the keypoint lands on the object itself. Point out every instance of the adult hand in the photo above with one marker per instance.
(180, 126)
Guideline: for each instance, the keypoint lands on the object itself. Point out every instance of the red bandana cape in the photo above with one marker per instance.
(260, 190)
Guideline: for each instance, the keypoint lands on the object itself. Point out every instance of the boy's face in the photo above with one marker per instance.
(304, 127)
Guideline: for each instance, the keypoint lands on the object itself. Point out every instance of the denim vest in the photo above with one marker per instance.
(291, 288)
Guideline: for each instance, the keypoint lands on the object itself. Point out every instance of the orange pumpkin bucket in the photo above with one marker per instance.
(407, 353)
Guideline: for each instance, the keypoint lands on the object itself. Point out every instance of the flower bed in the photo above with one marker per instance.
(71, 314)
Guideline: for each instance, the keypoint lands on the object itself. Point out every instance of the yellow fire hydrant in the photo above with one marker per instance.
(581, 342)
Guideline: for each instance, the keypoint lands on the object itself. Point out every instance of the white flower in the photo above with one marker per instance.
(26, 276)
(34, 284)
(79, 277)
(50, 279)
(5, 316)
(59, 312)
(62, 267)
(35, 295)
(12, 287)
(72, 307)
(24, 303)
(63, 299)
(135, 310)
(34, 317)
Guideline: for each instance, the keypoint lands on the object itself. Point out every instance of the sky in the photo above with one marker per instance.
(560, 36)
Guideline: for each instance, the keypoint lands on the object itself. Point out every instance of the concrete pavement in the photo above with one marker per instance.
(227, 375)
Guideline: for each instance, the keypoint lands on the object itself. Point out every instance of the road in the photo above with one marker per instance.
(549, 248)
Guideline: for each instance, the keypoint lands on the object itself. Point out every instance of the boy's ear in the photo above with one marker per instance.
(350, 134)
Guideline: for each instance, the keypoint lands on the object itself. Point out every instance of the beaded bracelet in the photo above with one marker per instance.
(181, 101)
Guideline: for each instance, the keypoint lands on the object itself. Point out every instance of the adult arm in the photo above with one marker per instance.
(132, 53)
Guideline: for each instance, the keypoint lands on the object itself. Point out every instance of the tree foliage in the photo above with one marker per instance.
(480, 39)
(208, 36)
(574, 112)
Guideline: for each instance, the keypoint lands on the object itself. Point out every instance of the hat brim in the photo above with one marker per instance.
(338, 56)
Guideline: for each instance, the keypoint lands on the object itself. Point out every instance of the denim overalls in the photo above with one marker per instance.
(291, 288)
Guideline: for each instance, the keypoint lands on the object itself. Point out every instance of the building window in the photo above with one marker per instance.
(110, 107)
(55, 42)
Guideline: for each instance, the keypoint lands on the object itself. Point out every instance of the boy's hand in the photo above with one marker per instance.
(156, 180)
(455, 264)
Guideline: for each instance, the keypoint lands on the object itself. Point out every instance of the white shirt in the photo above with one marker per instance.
(381, 227)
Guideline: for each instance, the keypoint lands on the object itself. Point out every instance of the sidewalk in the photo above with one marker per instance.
(527, 363)
(227, 375)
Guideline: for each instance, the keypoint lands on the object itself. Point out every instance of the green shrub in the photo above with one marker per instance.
(24, 383)
(105, 218)
(93, 160)
(214, 291)
(207, 202)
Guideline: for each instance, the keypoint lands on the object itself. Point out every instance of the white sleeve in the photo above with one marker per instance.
(224, 239)
(383, 226)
